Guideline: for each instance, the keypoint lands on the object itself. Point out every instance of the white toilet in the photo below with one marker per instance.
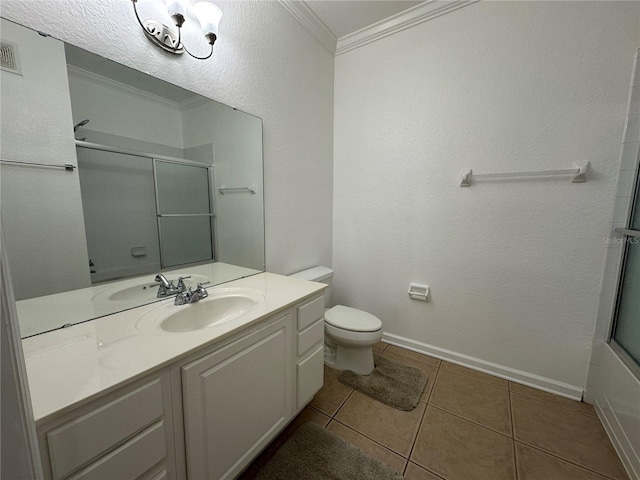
(349, 333)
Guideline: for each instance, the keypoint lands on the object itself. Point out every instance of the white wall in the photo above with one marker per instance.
(264, 63)
(611, 386)
(515, 265)
(237, 144)
(41, 207)
(122, 111)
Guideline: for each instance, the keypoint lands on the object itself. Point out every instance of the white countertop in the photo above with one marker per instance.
(49, 312)
(70, 366)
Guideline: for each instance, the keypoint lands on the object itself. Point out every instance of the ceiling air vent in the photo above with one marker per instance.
(9, 59)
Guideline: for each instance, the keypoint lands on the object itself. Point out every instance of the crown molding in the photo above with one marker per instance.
(424, 12)
(193, 102)
(309, 20)
(119, 87)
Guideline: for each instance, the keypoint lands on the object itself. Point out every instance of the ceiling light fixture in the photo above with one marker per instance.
(207, 14)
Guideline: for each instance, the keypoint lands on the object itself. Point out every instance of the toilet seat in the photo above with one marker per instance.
(352, 319)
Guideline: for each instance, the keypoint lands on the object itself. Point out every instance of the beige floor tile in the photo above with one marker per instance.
(577, 438)
(368, 446)
(414, 472)
(476, 401)
(395, 429)
(381, 345)
(457, 449)
(332, 394)
(415, 355)
(536, 465)
(429, 370)
(377, 351)
(557, 400)
(483, 377)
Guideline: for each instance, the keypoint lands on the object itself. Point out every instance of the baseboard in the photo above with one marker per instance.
(541, 383)
(618, 438)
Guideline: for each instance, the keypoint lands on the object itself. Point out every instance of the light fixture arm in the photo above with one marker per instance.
(199, 58)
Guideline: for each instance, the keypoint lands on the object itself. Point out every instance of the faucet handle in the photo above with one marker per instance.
(182, 298)
(181, 286)
(201, 291)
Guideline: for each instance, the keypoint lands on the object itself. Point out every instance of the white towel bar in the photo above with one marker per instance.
(250, 188)
(579, 173)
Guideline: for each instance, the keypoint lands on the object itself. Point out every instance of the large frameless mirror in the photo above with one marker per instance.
(165, 181)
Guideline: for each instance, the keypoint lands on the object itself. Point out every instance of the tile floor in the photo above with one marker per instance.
(468, 425)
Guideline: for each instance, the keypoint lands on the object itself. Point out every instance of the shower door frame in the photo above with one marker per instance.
(212, 214)
(153, 157)
(627, 233)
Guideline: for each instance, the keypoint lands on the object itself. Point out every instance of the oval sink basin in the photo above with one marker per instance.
(222, 305)
(144, 289)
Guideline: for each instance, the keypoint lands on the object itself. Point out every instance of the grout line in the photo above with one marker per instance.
(513, 437)
(317, 410)
(424, 414)
(415, 439)
(423, 468)
(343, 402)
(467, 419)
(566, 460)
(372, 439)
(470, 421)
(555, 404)
(433, 387)
(437, 475)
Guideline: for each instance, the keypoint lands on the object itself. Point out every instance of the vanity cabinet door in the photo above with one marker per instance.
(125, 435)
(237, 399)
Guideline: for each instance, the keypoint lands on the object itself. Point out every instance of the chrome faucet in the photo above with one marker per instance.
(183, 298)
(166, 287)
(181, 286)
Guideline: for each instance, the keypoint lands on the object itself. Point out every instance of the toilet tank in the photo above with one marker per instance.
(318, 274)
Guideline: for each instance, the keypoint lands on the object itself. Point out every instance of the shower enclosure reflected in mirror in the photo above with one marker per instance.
(166, 181)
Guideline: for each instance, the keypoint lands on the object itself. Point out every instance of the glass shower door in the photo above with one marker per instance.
(184, 213)
(626, 332)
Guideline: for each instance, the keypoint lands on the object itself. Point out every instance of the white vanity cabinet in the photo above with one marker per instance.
(236, 399)
(127, 434)
(240, 396)
(309, 350)
(206, 415)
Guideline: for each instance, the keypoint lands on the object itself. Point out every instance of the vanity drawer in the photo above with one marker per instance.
(131, 460)
(310, 312)
(85, 438)
(309, 337)
(310, 372)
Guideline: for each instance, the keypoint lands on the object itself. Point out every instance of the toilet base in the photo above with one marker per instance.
(356, 359)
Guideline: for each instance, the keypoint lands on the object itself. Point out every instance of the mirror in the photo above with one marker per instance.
(167, 181)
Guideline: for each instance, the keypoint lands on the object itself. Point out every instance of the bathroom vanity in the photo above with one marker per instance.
(130, 397)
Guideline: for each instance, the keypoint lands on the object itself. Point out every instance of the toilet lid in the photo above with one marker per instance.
(352, 319)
